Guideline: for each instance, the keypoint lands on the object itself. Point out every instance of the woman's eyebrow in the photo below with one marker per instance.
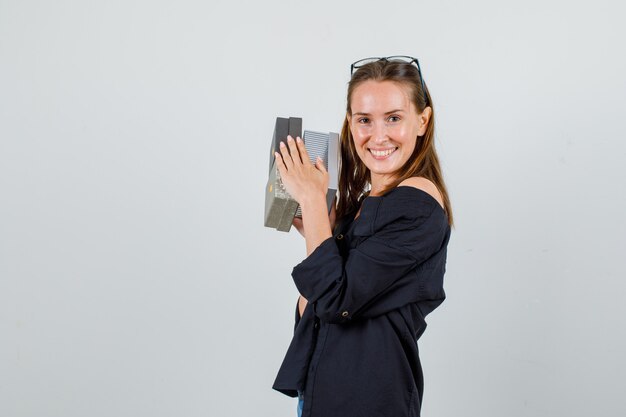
(367, 114)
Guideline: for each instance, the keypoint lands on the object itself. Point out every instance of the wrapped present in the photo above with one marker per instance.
(280, 207)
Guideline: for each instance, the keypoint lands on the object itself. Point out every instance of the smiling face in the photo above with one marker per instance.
(385, 125)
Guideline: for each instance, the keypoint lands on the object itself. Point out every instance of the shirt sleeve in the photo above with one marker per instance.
(391, 264)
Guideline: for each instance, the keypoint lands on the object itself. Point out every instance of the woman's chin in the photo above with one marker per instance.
(382, 167)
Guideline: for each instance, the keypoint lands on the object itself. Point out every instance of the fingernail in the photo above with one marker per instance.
(282, 144)
(289, 138)
(298, 139)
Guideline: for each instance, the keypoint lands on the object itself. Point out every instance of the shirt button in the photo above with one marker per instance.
(339, 236)
(344, 314)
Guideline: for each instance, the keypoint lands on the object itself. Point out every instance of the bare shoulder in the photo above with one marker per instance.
(425, 185)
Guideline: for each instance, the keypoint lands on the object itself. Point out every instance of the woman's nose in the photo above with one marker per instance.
(380, 133)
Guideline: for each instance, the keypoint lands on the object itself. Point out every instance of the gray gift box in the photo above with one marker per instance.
(280, 207)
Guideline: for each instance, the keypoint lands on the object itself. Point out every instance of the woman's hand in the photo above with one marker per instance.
(307, 183)
(302, 179)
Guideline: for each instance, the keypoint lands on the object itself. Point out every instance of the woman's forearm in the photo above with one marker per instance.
(317, 229)
(316, 222)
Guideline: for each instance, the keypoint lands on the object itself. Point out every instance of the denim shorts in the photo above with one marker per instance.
(300, 403)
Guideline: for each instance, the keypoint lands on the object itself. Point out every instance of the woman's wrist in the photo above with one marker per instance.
(312, 200)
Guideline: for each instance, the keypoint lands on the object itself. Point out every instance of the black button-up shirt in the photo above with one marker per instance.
(354, 350)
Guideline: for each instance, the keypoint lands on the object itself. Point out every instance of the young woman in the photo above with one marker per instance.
(368, 282)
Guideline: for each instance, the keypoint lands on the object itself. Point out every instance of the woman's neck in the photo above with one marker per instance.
(379, 182)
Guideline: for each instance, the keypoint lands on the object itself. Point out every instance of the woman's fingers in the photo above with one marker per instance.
(298, 174)
(319, 163)
(297, 222)
(295, 159)
(304, 154)
(293, 149)
(280, 163)
(285, 156)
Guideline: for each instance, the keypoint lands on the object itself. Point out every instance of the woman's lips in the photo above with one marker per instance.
(382, 153)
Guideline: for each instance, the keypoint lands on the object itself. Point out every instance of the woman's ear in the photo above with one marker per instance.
(423, 120)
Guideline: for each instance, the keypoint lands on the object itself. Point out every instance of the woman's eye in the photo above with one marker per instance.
(394, 119)
(364, 120)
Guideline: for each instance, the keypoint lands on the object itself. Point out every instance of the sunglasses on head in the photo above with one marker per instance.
(409, 60)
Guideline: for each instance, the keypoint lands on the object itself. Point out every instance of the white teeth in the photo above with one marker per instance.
(382, 153)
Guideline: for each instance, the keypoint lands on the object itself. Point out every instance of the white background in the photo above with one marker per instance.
(136, 278)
